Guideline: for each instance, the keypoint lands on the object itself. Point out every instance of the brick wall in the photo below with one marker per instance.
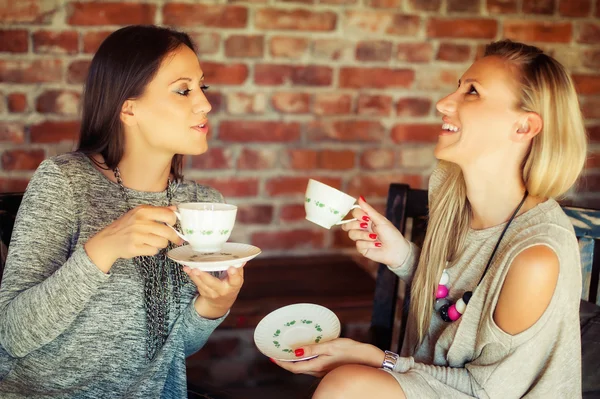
(339, 90)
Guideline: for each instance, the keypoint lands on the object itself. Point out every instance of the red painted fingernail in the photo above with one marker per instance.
(271, 359)
(378, 244)
(363, 199)
(372, 236)
(366, 218)
(364, 225)
(299, 352)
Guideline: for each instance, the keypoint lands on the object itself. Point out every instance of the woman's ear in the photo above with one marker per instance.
(528, 127)
(127, 113)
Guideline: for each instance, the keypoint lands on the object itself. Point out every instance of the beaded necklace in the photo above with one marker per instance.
(451, 312)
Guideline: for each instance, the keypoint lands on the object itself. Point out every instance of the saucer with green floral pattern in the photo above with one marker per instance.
(284, 330)
(231, 254)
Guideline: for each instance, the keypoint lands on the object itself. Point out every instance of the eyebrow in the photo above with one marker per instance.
(186, 79)
(468, 81)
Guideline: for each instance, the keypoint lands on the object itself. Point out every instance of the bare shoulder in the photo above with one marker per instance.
(527, 289)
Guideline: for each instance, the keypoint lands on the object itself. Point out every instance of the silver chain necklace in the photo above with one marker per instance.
(162, 279)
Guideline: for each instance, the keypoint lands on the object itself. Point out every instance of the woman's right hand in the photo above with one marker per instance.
(376, 237)
(139, 232)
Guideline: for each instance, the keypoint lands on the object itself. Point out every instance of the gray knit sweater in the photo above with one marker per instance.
(67, 330)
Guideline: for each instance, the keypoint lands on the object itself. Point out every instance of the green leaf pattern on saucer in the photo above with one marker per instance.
(322, 205)
(291, 323)
(204, 232)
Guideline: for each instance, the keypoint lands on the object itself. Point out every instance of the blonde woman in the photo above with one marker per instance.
(495, 289)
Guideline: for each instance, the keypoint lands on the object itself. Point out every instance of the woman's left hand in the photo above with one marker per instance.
(216, 296)
(332, 354)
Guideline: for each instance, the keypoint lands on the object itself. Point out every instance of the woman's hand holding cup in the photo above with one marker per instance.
(376, 237)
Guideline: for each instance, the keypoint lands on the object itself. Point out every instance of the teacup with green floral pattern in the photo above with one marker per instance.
(327, 206)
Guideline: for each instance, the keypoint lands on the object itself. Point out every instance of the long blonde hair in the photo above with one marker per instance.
(552, 165)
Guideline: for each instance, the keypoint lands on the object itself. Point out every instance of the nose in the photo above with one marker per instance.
(447, 105)
(201, 104)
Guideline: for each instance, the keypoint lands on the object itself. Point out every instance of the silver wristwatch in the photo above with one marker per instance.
(389, 361)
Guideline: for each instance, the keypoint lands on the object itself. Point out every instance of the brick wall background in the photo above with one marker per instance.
(339, 90)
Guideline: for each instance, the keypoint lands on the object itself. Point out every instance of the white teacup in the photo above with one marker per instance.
(327, 206)
(206, 226)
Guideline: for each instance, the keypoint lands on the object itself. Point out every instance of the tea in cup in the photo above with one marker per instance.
(206, 226)
(327, 206)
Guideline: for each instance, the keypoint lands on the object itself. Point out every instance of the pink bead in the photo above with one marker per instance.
(442, 292)
(453, 313)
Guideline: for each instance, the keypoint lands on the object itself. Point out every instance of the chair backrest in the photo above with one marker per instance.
(405, 204)
(9, 205)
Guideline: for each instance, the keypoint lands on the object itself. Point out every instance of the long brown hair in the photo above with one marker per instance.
(546, 89)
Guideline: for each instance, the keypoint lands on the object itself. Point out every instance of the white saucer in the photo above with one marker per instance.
(232, 254)
(283, 330)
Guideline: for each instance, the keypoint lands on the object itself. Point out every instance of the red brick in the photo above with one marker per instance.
(206, 42)
(589, 32)
(339, 2)
(472, 6)
(78, 70)
(209, 15)
(92, 40)
(367, 21)
(34, 71)
(288, 47)
(343, 131)
(502, 6)
(63, 102)
(14, 40)
(593, 133)
(545, 7)
(297, 1)
(374, 50)
(336, 160)
(301, 159)
(598, 8)
(214, 158)
(254, 214)
(587, 84)
(224, 74)
(259, 131)
(437, 79)
(332, 104)
(476, 28)
(292, 213)
(575, 8)
(17, 102)
(244, 46)
(233, 186)
(253, 159)
(49, 42)
(22, 159)
(342, 240)
(425, 5)
(332, 49)
(310, 75)
(590, 106)
(246, 103)
(291, 185)
(293, 239)
(423, 133)
(8, 185)
(376, 105)
(593, 160)
(385, 3)
(293, 103)
(28, 11)
(12, 132)
(591, 58)
(379, 78)
(414, 52)
(377, 158)
(452, 52)
(54, 131)
(118, 13)
(413, 106)
(378, 185)
(296, 20)
(215, 99)
(538, 31)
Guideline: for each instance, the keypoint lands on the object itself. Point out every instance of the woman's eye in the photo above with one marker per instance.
(472, 90)
(204, 87)
(184, 92)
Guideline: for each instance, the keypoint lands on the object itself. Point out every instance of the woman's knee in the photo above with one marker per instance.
(343, 382)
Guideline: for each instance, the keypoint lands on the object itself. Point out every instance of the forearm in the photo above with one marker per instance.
(455, 377)
(406, 269)
(196, 329)
(37, 315)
